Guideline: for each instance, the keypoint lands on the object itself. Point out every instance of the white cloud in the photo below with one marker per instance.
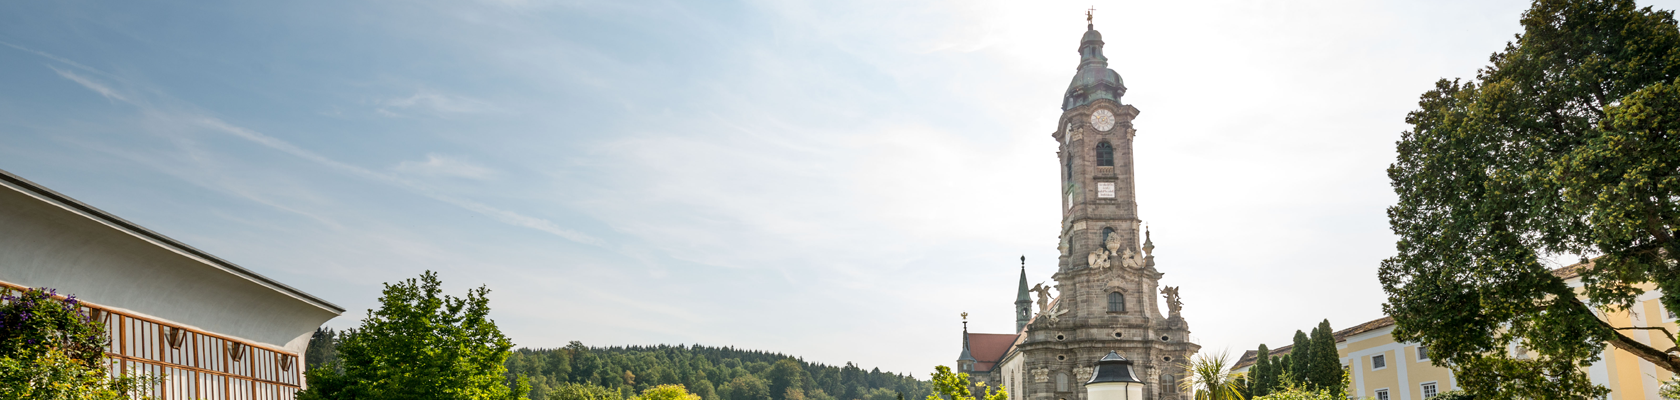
(438, 165)
(435, 103)
(90, 84)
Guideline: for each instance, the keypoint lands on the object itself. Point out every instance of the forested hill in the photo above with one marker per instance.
(577, 372)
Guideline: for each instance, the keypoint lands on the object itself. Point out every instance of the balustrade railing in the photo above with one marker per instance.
(193, 364)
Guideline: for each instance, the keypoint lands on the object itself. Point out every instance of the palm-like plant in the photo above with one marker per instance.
(1210, 377)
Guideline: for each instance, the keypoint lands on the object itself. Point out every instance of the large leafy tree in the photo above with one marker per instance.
(1567, 145)
(420, 344)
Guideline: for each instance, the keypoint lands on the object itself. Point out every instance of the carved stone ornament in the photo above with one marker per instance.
(1098, 259)
(1083, 373)
(1173, 302)
(1055, 313)
(1043, 296)
(1130, 260)
(1041, 375)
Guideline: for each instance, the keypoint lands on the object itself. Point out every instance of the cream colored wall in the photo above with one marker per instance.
(1403, 374)
(1013, 371)
(1627, 376)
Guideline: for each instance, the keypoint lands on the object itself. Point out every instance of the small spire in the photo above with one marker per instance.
(1147, 242)
(965, 356)
(1023, 262)
(1148, 248)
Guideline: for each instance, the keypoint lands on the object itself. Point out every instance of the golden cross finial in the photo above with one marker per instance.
(1088, 14)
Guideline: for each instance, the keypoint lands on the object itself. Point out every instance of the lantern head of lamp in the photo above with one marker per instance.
(1114, 380)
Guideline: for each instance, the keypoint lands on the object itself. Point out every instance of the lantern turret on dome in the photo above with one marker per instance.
(1114, 379)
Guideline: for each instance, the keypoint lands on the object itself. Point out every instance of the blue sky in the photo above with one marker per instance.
(836, 180)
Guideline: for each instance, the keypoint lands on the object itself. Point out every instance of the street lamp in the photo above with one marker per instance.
(1114, 380)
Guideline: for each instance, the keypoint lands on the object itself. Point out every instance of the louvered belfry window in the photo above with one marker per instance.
(1105, 155)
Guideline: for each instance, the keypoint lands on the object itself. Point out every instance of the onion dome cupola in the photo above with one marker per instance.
(1094, 80)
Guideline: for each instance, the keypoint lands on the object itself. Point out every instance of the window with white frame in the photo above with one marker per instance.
(1378, 362)
(1382, 394)
(1423, 353)
(1428, 389)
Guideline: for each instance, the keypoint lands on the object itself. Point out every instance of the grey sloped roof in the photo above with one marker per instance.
(45, 194)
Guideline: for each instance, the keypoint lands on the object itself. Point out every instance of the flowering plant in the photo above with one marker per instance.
(51, 349)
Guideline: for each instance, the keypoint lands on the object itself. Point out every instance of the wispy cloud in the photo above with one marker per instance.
(438, 165)
(436, 104)
(90, 84)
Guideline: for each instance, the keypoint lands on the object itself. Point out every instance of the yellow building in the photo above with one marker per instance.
(1385, 369)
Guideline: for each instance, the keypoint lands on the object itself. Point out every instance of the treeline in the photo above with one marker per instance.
(577, 372)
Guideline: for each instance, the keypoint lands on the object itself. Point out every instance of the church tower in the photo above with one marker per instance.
(1108, 289)
(1107, 294)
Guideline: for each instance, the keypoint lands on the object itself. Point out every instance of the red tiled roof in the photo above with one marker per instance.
(988, 348)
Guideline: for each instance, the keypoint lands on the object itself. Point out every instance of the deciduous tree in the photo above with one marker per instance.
(949, 386)
(420, 344)
(1568, 145)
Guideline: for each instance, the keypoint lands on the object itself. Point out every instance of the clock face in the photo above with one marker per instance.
(1102, 120)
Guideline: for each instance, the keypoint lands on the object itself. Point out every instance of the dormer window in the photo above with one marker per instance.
(1105, 155)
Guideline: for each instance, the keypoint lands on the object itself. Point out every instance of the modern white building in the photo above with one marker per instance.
(214, 329)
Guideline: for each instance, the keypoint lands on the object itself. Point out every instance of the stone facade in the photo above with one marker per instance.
(1108, 295)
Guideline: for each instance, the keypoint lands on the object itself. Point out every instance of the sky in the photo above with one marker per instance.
(831, 180)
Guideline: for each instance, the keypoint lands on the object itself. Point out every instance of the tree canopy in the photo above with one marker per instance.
(420, 344)
(1567, 145)
(713, 373)
(950, 386)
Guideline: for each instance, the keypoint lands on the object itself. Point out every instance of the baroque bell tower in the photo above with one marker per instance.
(1108, 289)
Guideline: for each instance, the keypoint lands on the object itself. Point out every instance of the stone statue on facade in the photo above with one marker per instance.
(1098, 259)
(1173, 302)
(1043, 296)
(1130, 259)
(1110, 253)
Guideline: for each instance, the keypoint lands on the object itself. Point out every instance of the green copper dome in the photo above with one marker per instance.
(1094, 80)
